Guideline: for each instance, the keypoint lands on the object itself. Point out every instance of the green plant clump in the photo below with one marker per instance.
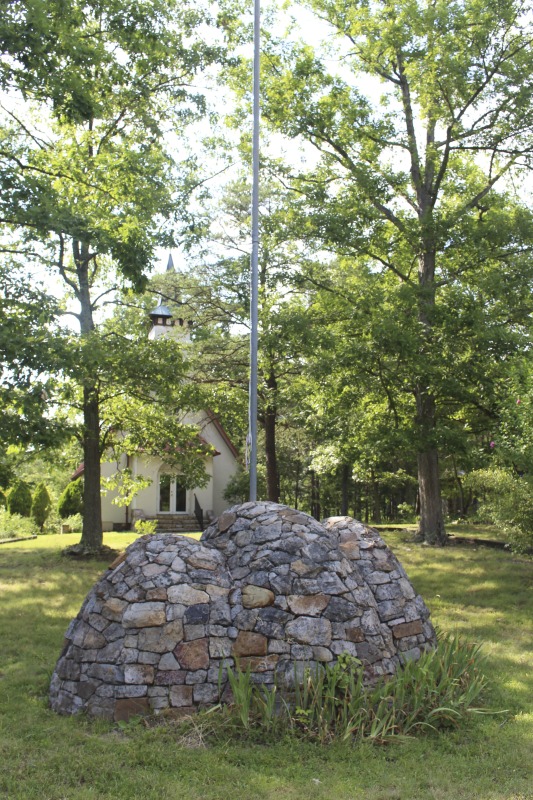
(41, 505)
(14, 526)
(19, 499)
(330, 702)
(71, 500)
(508, 504)
(74, 523)
(145, 526)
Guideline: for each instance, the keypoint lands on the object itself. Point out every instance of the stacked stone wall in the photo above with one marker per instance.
(267, 587)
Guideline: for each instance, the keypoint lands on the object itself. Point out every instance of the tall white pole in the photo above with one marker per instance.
(254, 295)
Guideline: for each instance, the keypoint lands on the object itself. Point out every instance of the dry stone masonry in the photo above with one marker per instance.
(266, 586)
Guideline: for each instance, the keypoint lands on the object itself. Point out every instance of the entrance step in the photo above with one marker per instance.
(177, 523)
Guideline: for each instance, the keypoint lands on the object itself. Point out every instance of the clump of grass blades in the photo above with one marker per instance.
(331, 702)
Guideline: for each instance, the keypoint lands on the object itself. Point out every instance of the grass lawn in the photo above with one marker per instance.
(483, 593)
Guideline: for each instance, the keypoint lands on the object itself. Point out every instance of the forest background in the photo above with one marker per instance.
(395, 264)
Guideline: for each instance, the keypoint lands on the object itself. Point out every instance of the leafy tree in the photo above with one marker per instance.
(19, 499)
(407, 180)
(220, 301)
(30, 351)
(89, 189)
(71, 499)
(40, 505)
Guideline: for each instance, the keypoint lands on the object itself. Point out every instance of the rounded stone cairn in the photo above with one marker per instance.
(266, 586)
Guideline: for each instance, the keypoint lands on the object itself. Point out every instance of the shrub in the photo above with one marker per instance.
(13, 525)
(41, 505)
(145, 526)
(71, 499)
(74, 522)
(19, 499)
(2, 499)
(508, 503)
(238, 487)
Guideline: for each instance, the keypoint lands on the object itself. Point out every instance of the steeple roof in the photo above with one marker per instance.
(161, 311)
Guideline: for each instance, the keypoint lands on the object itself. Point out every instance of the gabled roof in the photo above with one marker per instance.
(218, 425)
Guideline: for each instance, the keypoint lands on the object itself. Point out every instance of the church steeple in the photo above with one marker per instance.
(162, 320)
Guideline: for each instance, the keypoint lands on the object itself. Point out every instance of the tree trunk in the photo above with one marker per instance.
(462, 511)
(376, 501)
(92, 534)
(297, 486)
(431, 526)
(271, 413)
(315, 495)
(358, 506)
(345, 479)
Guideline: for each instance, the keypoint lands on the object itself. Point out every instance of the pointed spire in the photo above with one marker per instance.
(170, 263)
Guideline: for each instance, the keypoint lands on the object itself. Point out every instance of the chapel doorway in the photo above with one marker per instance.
(172, 495)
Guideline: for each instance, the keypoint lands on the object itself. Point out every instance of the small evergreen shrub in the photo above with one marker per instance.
(19, 499)
(71, 499)
(41, 505)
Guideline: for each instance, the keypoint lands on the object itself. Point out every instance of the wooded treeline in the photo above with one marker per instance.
(395, 264)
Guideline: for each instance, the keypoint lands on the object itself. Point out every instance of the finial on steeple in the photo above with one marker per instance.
(170, 263)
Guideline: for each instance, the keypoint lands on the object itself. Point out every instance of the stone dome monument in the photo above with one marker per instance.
(267, 586)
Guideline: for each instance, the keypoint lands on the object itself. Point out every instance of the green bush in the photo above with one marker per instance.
(13, 525)
(74, 522)
(238, 487)
(507, 503)
(71, 500)
(19, 499)
(2, 499)
(41, 505)
(145, 526)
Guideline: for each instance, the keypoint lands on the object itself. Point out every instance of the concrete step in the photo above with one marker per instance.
(177, 523)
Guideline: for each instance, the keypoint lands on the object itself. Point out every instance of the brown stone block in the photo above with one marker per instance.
(138, 674)
(407, 629)
(144, 615)
(257, 597)
(203, 561)
(181, 696)
(350, 549)
(307, 604)
(193, 655)
(156, 594)
(259, 664)
(114, 608)
(226, 520)
(355, 634)
(250, 644)
(301, 568)
(130, 707)
(170, 677)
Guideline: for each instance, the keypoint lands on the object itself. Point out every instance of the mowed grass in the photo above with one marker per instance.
(484, 594)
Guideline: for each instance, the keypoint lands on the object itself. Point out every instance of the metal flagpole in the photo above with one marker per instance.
(254, 297)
